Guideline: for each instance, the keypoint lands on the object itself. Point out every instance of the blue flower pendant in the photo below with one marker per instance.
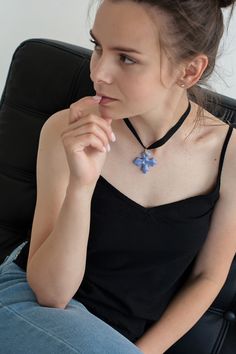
(145, 161)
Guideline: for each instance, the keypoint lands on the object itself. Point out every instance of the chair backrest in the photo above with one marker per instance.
(46, 76)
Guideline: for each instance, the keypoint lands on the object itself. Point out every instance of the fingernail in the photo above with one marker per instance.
(97, 98)
(113, 137)
(108, 147)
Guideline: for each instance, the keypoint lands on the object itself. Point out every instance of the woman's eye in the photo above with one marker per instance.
(126, 60)
(124, 57)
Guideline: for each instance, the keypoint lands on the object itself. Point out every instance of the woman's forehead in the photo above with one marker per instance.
(126, 23)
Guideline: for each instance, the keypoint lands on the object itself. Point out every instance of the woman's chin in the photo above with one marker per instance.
(111, 112)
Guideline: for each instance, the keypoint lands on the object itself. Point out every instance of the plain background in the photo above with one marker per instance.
(68, 21)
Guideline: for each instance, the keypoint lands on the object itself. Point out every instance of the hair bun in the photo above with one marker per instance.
(226, 3)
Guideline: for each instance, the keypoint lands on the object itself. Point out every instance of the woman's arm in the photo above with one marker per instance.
(209, 272)
(184, 311)
(58, 247)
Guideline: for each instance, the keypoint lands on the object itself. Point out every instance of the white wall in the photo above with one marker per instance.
(223, 79)
(67, 21)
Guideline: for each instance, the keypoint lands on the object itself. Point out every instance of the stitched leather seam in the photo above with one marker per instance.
(27, 175)
(221, 337)
(25, 109)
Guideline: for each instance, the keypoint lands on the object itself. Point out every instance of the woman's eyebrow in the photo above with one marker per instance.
(120, 49)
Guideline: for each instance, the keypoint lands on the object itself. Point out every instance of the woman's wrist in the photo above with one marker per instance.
(76, 187)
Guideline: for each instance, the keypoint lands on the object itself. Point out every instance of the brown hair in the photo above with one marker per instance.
(194, 27)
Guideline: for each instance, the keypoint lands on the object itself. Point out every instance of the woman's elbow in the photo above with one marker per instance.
(48, 303)
(45, 298)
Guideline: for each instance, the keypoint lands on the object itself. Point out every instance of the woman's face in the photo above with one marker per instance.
(140, 79)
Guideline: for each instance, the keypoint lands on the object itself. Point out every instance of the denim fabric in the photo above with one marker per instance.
(29, 328)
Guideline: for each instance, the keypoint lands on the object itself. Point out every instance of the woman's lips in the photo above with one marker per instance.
(106, 100)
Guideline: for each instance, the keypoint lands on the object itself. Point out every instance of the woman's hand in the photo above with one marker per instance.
(86, 141)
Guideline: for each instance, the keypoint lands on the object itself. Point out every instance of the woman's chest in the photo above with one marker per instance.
(181, 172)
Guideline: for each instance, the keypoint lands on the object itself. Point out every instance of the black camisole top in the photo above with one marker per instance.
(138, 257)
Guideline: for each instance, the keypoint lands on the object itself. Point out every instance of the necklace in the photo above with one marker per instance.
(146, 160)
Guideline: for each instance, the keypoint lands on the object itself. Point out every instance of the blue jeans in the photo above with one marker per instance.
(29, 328)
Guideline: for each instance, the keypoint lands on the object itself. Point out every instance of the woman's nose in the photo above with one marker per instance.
(101, 71)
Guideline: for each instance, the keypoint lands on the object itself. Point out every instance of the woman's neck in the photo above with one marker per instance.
(155, 124)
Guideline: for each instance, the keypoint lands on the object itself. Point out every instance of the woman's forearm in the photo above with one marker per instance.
(57, 268)
(186, 308)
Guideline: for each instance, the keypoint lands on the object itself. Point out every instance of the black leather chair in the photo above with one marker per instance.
(45, 76)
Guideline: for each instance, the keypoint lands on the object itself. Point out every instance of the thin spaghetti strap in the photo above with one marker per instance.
(222, 156)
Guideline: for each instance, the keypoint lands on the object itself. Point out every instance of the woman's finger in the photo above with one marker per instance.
(76, 108)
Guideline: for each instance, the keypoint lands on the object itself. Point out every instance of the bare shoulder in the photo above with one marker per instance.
(229, 168)
(56, 122)
(50, 135)
(219, 130)
(211, 128)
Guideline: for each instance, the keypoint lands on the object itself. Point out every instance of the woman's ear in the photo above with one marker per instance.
(192, 71)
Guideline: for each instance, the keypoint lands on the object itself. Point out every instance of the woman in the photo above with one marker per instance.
(134, 220)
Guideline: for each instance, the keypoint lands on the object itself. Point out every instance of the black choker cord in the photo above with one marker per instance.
(144, 161)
